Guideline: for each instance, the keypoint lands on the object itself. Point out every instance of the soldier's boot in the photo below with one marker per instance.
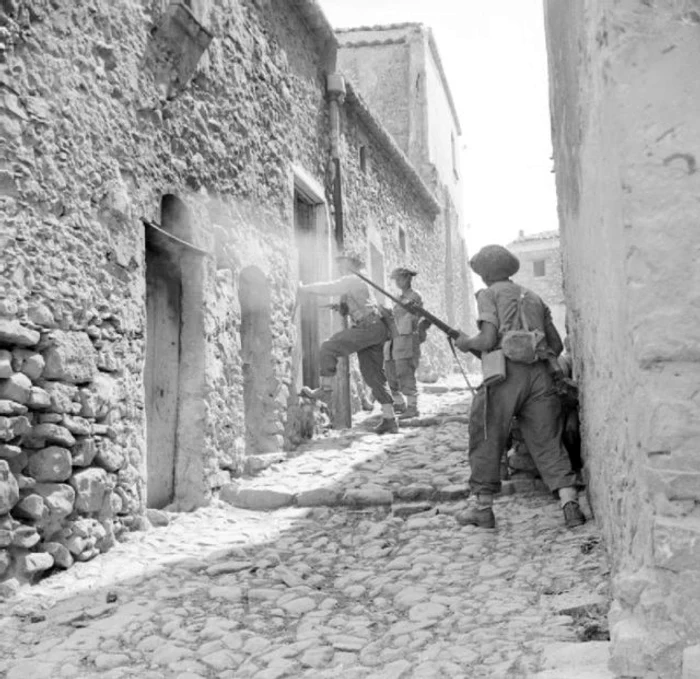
(479, 514)
(411, 409)
(573, 516)
(389, 423)
(323, 393)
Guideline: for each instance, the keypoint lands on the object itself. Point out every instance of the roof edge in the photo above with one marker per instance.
(316, 19)
(443, 78)
(354, 100)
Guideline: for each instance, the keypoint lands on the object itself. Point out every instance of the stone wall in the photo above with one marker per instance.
(531, 252)
(624, 97)
(380, 199)
(92, 146)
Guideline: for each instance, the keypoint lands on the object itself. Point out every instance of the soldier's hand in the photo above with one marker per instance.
(462, 342)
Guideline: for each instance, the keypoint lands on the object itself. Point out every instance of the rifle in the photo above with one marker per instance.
(414, 309)
(418, 310)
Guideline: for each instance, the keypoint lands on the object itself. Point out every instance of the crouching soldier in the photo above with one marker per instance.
(366, 337)
(402, 351)
(517, 323)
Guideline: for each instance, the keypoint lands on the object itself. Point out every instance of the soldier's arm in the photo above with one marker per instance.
(485, 341)
(551, 333)
(340, 286)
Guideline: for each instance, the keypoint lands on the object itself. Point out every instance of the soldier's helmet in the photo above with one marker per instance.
(495, 262)
(357, 261)
(402, 271)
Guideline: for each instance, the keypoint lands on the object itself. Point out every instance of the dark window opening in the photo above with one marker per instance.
(402, 240)
(539, 268)
(363, 158)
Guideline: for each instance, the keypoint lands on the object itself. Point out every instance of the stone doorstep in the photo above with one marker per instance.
(585, 660)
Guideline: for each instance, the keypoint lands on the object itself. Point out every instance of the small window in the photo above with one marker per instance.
(402, 240)
(363, 158)
(538, 268)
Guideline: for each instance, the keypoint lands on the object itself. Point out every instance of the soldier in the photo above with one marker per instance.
(527, 391)
(366, 336)
(402, 351)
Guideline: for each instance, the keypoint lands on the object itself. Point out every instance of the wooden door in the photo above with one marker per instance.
(309, 260)
(162, 375)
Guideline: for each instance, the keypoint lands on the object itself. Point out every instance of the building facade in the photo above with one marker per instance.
(541, 271)
(398, 70)
(172, 173)
(624, 101)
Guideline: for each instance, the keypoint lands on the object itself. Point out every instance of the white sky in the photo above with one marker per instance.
(495, 60)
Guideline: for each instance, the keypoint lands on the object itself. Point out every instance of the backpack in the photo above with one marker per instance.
(521, 346)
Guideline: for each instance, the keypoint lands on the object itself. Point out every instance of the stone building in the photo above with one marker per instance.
(398, 70)
(541, 270)
(172, 171)
(624, 102)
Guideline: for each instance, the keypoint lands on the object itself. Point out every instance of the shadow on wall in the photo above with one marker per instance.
(256, 354)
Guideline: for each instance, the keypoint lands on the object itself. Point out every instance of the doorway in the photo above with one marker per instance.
(162, 371)
(310, 257)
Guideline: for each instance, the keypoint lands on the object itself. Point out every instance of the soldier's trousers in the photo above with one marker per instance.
(367, 341)
(401, 374)
(528, 393)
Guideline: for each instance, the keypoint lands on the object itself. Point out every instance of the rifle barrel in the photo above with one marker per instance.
(414, 309)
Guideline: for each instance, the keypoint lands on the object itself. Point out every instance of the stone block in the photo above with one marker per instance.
(677, 543)
(256, 498)
(673, 483)
(409, 509)
(58, 497)
(453, 492)
(9, 491)
(110, 456)
(10, 408)
(62, 558)
(70, 358)
(630, 642)
(5, 364)
(18, 463)
(90, 486)
(25, 537)
(40, 314)
(415, 492)
(13, 333)
(61, 396)
(319, 497)
(7, 452)
(5, 561)
(16, 388)
(691, 662)
(84, 452)
(31, 508)
(157, 518)
(76, 425)
(368, 496)
(35, 562)
(52, 434)
(39, 399)
(28, 362)
(50, 464)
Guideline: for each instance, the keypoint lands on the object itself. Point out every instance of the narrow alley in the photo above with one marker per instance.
(377, 580)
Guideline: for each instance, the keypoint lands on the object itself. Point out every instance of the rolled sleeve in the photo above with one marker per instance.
(486, 308)
(340, 286)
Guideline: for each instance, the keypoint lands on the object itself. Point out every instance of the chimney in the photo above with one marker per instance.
(521, 234)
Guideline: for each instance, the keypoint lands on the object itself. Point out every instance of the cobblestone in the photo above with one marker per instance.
(329, 591)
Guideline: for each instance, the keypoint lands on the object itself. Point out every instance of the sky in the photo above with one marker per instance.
(495, 61)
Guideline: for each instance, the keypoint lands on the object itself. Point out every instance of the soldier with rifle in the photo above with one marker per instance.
(402, 351)
(366, 336)
(516, 333)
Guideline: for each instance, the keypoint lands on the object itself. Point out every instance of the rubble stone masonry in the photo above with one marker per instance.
(115, 335)
(625, 96)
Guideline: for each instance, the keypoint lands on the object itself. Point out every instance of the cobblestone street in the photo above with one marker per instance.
(357, 589)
